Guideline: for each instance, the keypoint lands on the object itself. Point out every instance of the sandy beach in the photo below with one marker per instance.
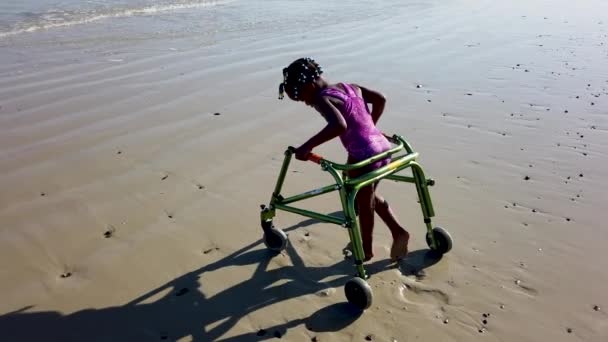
(136, 148)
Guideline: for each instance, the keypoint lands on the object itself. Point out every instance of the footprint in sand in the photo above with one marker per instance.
(422, 294)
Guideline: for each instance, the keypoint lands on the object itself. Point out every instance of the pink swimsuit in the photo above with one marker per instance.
(362, 139)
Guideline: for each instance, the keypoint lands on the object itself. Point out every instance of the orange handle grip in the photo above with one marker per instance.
(315, 158)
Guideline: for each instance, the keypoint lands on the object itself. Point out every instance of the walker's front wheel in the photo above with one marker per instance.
(275, 239)
(359, 293)
(443, 239)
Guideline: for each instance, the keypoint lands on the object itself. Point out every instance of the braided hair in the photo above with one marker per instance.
(297, 74)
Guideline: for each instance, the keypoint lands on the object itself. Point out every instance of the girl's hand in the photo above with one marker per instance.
(302, 152)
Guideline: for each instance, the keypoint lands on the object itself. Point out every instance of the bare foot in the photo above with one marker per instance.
(399, 247)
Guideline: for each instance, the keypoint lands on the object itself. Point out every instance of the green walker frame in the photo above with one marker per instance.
(357, 290)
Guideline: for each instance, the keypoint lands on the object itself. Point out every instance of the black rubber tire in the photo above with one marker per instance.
(359, 293)
(443, 239)
(275, 239)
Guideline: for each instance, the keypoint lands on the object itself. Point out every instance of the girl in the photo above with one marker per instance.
(344, 107)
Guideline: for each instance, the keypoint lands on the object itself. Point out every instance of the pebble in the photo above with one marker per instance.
(527, 178)
(369, 338)
(569, 330)
(502, 306)
(119, 152)
(314, 339)
(596, 308)
(66, 275)
(446, 321)
(42, 194)
(486, 315)
(485, 321)
(517, 282)
(418, 86)
(216, 114)
(481, 330)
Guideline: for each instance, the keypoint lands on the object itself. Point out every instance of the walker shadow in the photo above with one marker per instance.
(179, 309)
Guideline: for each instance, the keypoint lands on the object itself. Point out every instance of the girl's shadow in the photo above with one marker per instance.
(182, 307)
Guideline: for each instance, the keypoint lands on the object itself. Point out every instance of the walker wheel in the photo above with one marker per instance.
(359, 293)
(442, 238)
(275, 239)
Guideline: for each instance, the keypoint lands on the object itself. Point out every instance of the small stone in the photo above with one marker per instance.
(517, 282)
(481, 330)
(119, 152)
(170, 216)
(446, 321)
(533, 210)
(577, 96)
(527, 178)
(42, 194)
(486, 315)
(369, 338)
(307, 234)
(216, 114)
(568, 219)
(485, 321)
(502, 306)
(566, 111)
(428, 101)
(569, 330)
(593, 103)
(596, 308)
(314, 339)
(580, 175)
(66, 275)
(165, 177)
(418, 86)
(527, 70)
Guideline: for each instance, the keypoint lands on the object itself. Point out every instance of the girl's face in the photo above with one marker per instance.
(308, 94)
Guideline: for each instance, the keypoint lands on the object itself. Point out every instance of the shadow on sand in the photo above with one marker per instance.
(182, 310)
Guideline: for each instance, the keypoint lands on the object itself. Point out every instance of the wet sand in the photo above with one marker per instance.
(132, 173)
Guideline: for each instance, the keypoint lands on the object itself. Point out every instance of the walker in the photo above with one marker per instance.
(357, 290)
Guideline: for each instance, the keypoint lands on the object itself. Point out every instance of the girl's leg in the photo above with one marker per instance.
(366, 203)
(400, 236)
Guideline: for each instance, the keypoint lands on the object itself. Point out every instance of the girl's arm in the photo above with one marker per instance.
(376, 99)
(336, 125)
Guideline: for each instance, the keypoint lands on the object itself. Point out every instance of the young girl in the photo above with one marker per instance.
(344, 107)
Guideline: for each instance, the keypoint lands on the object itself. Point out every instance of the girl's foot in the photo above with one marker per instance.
(399, 247)
(368, 257)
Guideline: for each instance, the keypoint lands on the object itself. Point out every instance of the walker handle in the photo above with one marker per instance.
(313, 157)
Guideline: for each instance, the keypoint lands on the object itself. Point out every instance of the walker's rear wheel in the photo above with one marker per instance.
(275, 239)
(442, 238)
(359, 293)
